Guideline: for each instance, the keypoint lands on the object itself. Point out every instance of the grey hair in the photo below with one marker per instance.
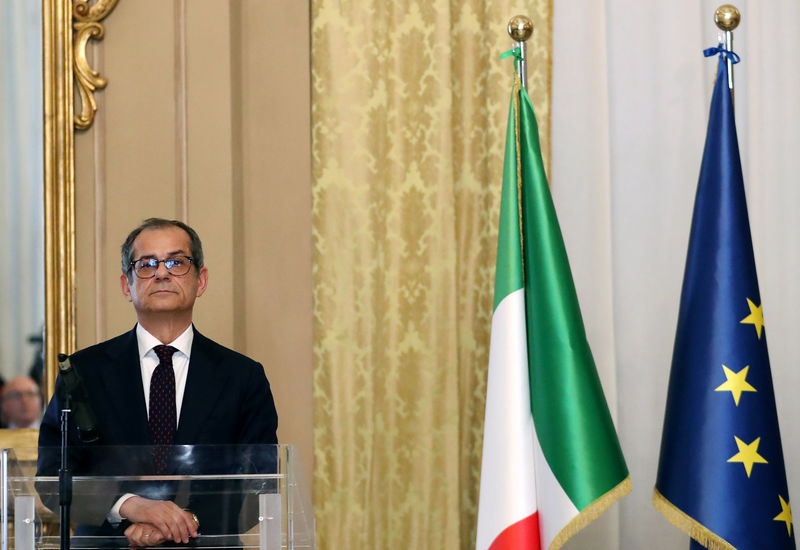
(195, 246)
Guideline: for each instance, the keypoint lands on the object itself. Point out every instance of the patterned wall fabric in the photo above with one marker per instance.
(409, 105)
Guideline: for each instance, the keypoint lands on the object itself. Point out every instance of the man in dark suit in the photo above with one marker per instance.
(163, 383)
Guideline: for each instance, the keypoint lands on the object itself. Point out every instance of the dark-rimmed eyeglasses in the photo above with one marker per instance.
(16, 395)
(146, 268)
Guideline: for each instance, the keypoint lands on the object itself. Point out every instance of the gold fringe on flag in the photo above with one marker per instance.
(689, 525)
(591, 513)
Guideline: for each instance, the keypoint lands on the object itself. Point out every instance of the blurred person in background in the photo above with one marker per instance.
(21, 403)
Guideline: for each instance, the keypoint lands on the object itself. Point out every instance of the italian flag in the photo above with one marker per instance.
(551, 458)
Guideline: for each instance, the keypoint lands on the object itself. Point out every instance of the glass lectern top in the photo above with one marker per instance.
(244, 496)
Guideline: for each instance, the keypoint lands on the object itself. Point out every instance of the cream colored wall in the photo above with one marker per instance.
(206, 118)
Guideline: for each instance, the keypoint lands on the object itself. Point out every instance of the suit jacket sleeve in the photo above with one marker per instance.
(258, 421)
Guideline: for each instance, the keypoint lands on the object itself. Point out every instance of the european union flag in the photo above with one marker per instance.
(721, 475)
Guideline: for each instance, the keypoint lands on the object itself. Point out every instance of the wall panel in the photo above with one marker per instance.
(276, 205)
(208, 156)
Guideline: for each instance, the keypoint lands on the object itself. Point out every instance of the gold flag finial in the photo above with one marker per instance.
(727, 17)
(520, 28)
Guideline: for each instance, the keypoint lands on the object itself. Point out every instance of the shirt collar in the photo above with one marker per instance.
(147, 341)
(32, 426)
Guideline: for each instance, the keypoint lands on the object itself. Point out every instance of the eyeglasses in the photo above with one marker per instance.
(15, 395)
(146, 268)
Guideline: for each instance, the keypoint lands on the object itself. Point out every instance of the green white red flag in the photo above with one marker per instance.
(551, 458)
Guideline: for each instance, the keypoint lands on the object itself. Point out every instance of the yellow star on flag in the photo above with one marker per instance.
(756, 317)
(785, 515)
(735, 383)
(748, 454)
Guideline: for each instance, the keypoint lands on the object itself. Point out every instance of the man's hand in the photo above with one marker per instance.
(162, 516)
(143, 534)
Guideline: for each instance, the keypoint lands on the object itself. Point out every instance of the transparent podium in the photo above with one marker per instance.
(244, 496)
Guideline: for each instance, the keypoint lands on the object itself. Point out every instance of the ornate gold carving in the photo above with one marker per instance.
(87, 26)
(59, 20)
(60, 58)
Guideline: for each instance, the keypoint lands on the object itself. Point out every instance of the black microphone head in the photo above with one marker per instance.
(75, 393)
(64, 364)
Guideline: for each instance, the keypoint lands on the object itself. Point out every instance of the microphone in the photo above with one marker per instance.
(73, 384)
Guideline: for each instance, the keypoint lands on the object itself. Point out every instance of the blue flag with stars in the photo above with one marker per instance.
(721, 476)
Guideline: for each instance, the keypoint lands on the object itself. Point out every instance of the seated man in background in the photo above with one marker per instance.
(163, 383)
(21, 403)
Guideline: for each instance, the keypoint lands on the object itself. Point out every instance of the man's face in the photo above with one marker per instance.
(22, 402)
(163, 293)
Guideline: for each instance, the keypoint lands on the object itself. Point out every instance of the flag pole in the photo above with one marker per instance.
(520, 28)
(727, 18)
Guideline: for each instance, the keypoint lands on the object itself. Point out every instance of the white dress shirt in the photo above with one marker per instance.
(148, 361)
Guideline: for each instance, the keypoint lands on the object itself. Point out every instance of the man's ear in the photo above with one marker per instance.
(126, 289)
(202, 281)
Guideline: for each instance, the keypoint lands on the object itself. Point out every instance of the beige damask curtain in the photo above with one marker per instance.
(409, 103)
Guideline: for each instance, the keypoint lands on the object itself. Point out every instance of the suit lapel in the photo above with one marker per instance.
(123, 380)
(204, 383)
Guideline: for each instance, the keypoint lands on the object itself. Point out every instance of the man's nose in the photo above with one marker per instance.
(161, 270)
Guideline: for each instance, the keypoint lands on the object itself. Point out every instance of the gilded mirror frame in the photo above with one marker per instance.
(67, 26)
(59, 186)
(59, 200)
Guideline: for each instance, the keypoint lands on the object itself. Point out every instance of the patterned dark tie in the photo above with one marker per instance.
(163, 415)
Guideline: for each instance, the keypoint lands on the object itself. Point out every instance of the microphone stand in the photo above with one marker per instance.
(65, 476)
(74, 394)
